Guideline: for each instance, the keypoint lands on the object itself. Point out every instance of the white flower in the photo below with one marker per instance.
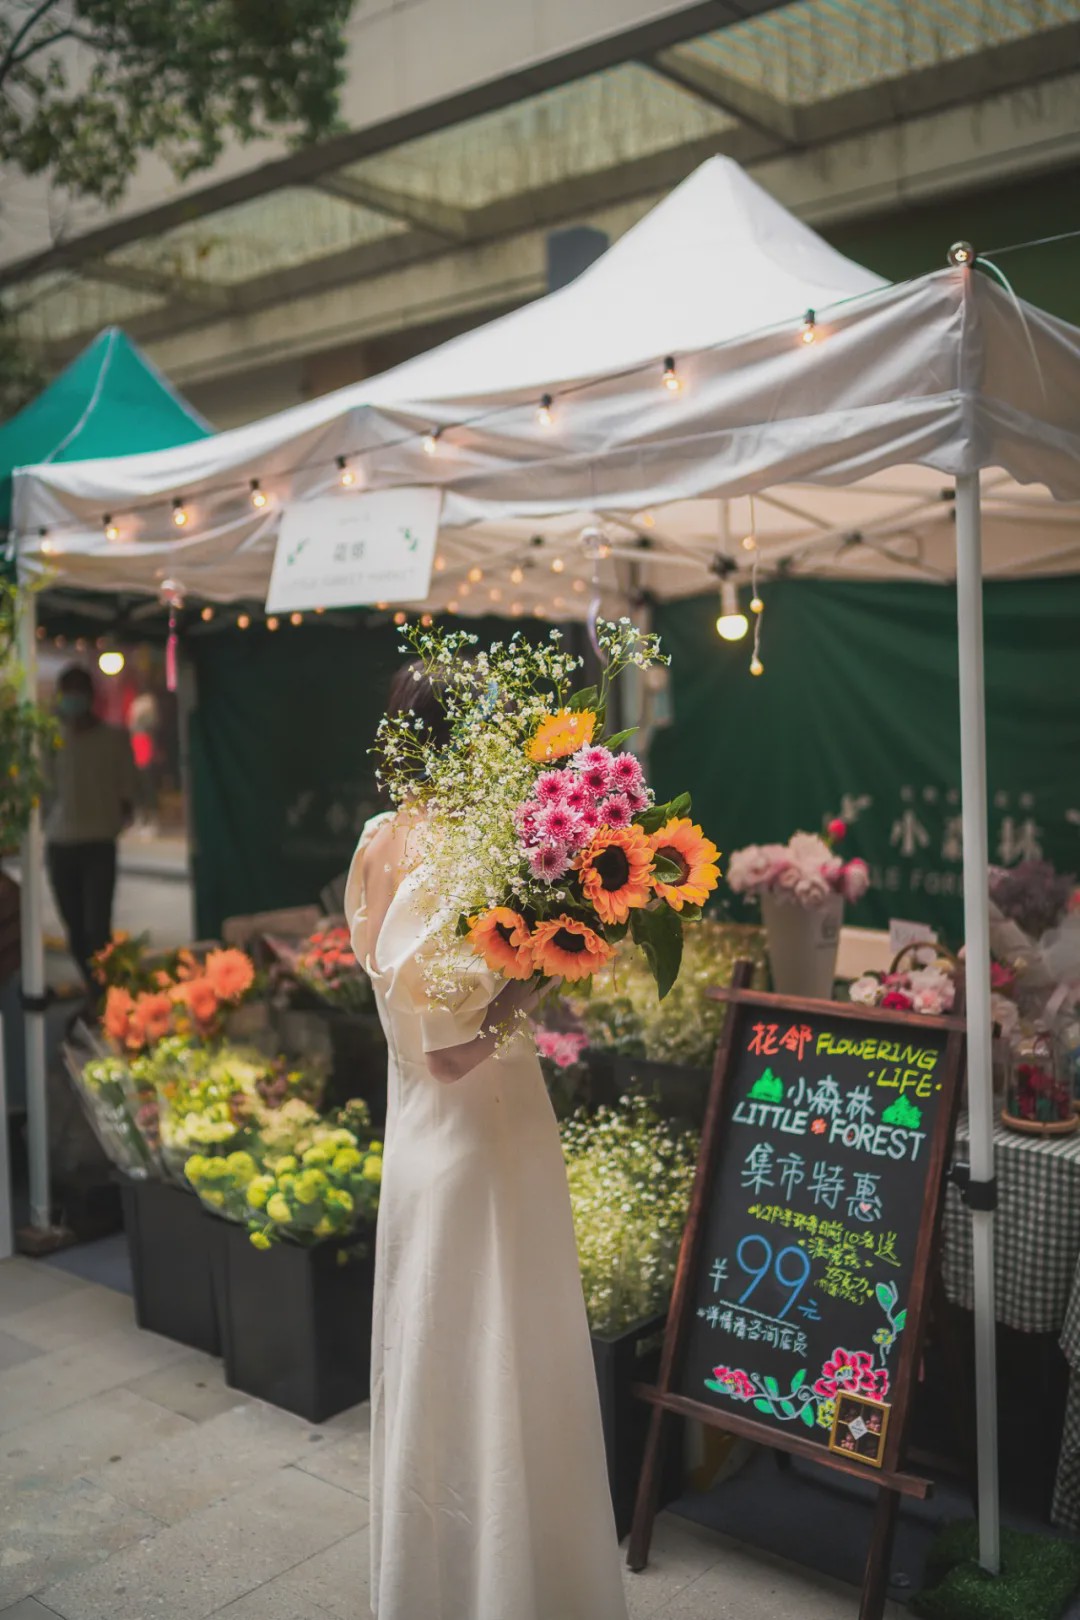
(865, 990)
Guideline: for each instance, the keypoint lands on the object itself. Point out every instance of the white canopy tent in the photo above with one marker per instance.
(605, 441)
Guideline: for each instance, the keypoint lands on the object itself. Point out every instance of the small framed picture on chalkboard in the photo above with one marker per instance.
(858, 1429)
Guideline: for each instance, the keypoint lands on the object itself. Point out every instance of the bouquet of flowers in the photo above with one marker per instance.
(541, 837)
(805, 870)
(186, 998)
(930, 990)
(326, 966)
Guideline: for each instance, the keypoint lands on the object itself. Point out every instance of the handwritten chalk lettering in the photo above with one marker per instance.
(790, 1121)
(897, 1079)
(881, 1141)
(877, 1051)
(767, 1041)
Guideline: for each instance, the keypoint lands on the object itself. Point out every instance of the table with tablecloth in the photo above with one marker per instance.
(1036, 1264)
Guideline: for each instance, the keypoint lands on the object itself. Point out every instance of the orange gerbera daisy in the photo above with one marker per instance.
(119, 1006)
(684, 844)
(561, 733)
(501, 936)
(230, 972)
(616, 872)
(153, 1011)
(568, 949)
(200, 998)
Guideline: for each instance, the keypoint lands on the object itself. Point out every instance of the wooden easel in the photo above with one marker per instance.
(892, 1479)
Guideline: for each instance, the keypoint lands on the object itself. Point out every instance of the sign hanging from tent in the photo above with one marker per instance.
(352, 550)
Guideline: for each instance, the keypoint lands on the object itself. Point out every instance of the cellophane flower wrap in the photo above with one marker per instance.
(542, 844)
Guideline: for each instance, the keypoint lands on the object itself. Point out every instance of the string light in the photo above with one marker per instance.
(452, 607)
(516, 609)
(111, 531)
(517, 575)
(272, 622)
(400, 616)
(538, 611)
(809, 331)
(206, 615)
(580, 585)
(431, 441)
(557, 565)
(40, 632)
(61, 641)
(560, 602)
(440, 564)
(476, 575)
(731, 625)
(320, 610)
(756, 605)
(543, 411)
(495, 595)
(671, 376)
(259, 497)
(47, 548)
(296, 618)
(382, 606)
(749, 543)
(961, 253)
(111, 663)
(648, 520)
(80, 644)
(426, 620)
(756, 666)
(243, 622)
(179, 513)
(346, 476)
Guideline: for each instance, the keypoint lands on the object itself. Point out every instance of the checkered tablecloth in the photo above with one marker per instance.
(1036, 1265)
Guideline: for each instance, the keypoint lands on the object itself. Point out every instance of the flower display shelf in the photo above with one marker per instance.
(295, 1323)
(170, 1244)
(675, 1090)
(622, 1361)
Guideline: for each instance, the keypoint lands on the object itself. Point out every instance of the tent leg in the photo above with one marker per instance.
(977, 953)
(6, 1221)
(33, 959)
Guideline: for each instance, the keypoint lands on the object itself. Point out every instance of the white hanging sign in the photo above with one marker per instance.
(351, 550)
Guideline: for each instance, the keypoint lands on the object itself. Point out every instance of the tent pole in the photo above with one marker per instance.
(6, 1216)
(969, 593)
(33, 956)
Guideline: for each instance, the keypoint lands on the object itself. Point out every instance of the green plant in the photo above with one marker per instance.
(630, 1176)
(28, 735)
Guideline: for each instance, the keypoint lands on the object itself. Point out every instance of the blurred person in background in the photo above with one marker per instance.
(94, 787)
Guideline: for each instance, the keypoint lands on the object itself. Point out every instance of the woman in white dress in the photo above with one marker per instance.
(489, 1493)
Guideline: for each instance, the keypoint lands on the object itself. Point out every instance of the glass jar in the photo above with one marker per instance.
(1038, 1093)
(1067, 1042)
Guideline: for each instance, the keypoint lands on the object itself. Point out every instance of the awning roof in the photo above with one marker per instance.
(848, 441)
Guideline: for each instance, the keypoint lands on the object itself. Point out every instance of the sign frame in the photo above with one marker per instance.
(889, 1475)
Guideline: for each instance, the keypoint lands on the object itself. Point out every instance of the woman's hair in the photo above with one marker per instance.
(413, 691)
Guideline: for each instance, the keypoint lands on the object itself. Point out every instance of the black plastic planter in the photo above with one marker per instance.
(295, 1323)
(621, 1362)
(170, 1243)
(675, 1091)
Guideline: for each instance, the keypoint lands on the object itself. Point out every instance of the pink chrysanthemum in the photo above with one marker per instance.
(578, 798)
(592, 758)
(591, 816)
(639, 799)
(551, 787)
(617, 811)
(626, 771)
(549, 861)
(527, 822)
(558, 825)
(597, 778)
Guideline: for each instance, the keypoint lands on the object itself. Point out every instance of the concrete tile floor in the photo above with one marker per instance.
(135, 1486)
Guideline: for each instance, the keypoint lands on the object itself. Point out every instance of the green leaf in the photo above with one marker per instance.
(807, 1415)
(585, 699)
(679, 806)
(690, 913)
(462, 925)
(651, 821)
(886, 1296)
(787, 1409)
(898, 1321)
(619, 737)
(772, 1386)
(659, 934)
(666, 870)
(763, 1406)
(799, 1380)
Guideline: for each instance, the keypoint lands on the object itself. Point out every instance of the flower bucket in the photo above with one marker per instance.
(802, 943)
(621, 1361)
(295, 1323)
(170, 1245)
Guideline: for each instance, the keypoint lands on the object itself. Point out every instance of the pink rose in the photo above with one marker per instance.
(837, 830)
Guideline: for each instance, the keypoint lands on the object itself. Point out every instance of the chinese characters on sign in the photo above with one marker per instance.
(349, 550)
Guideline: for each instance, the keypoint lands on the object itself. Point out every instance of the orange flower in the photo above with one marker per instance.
(119, 1006)
(231, 973)
(695, 855)
(615, 872)
(153, 1012)
(501, 937)
(561, 733)
(566, 948)
(200, 998)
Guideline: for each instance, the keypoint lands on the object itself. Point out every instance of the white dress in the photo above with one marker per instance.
(489, 1493)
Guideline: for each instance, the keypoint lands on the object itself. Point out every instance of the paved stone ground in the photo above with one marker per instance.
(135, 1486)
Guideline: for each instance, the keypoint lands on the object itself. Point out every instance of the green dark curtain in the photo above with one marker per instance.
(858, 706)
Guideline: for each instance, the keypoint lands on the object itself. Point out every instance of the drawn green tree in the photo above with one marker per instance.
(769, 1088)
(903, 1113)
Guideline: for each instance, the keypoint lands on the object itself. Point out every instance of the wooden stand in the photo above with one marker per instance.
(666, 1398)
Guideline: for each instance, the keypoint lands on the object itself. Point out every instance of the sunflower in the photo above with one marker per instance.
(616, 870)
(501, 937)
(560, 734)
(566, 948)
(684, 844)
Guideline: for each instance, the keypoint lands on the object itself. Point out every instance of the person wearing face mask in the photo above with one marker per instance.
(94, 789)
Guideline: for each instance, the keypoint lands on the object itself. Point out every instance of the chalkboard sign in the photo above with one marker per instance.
(807, 1256)
(800, 1296)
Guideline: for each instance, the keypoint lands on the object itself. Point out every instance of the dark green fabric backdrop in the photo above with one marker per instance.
(859, 702)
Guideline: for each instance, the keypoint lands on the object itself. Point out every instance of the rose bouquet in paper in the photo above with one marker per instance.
(543, 843)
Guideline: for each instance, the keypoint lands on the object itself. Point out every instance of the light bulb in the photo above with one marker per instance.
(258, 497)
(961, 253)
(731, 625)
(272, 622)
(80, 644)
(243, 622)
(580, 585)
(111, 663)
(808, 332)
(749, 543)
(560, 602)
(346, 476)
(440, 564)
(179, 513)
(426, 620)
(452, 607)
(400, 616)
(517, 575)
(557, 565)
(539, 610)
(61, 641)
(671, 376)
(756, 666)
(111, 531)
(206, 615)
(648, 520)
(476, 575)
(381, 607)
(543, 411)
(320, 610)
(296, 618)
(756, 605)
(430, 441)
(47, 548)
(495, 594)
(40, 632)
(516, 609)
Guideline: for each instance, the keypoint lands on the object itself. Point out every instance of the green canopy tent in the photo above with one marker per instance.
(111, 400)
